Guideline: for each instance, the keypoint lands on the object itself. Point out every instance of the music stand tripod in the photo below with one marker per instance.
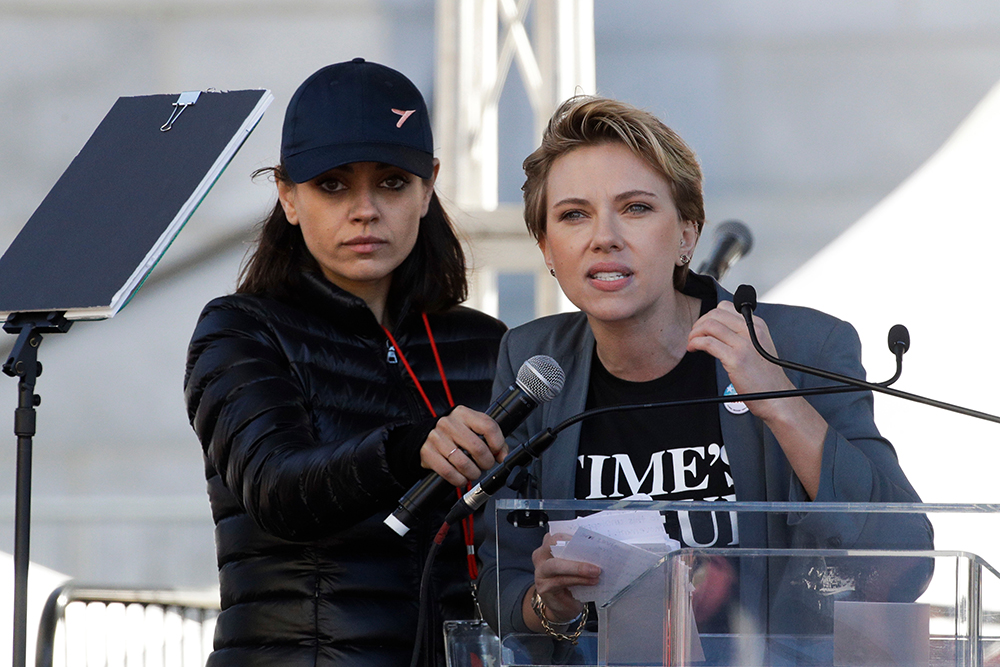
(23, 363)
(91, 243)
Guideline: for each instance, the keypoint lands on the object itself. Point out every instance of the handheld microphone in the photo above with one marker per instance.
(540, 379)
(733, 240)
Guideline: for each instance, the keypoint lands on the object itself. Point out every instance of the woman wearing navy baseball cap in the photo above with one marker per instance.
(316, 389)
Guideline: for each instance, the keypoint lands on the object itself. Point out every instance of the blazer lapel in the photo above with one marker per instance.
(558, 474)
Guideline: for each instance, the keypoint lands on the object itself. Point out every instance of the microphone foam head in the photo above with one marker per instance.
(739, 231)
(541, 377)
(745, 296)
(899, 335)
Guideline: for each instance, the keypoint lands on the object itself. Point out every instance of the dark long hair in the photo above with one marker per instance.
(432, 278)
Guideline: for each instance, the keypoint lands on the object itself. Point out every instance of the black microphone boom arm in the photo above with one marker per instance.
(745, 301)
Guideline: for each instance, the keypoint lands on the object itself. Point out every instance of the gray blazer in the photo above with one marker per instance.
(858, 465)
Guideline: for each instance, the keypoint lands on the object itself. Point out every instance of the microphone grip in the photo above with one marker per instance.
(432, 489)
(508, 411)
(494, 480)
(511, 408)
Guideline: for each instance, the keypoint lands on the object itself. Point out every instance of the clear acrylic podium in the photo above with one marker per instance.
(885, 600)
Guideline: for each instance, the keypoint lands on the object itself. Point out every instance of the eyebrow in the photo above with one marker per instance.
(579, 201)
(571, 200)
(635, 193)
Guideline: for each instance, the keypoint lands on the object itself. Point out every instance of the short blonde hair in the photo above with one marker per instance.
(585, 120)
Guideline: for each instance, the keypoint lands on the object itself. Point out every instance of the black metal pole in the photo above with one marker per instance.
(23, 364)
(27, 369)
(22, 528)
(745, 301)
(24, 429)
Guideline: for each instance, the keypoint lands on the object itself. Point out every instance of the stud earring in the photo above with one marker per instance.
(685, 259)
(552, 272)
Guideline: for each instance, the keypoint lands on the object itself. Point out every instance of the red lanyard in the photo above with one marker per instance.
(467, 524)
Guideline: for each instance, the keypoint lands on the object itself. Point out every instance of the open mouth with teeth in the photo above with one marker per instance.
(608, 276)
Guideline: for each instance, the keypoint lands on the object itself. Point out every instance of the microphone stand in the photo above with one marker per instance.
(532, 448)
(23, 363)
(745, 300)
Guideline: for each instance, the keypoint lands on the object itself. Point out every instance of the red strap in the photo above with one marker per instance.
(468, 526)
(437, 358)
(413, 376)
(470, 549)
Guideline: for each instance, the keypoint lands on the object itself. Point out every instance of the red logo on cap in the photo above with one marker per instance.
(403, 115)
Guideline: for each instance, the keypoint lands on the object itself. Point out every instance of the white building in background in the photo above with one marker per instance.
(929, 252)
(805, 116)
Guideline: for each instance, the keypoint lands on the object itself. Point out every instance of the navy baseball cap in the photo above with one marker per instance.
(356, 111)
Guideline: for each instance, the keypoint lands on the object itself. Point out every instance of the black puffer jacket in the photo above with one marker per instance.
(310, 436)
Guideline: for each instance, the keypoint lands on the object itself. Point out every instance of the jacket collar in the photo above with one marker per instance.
(318, 295)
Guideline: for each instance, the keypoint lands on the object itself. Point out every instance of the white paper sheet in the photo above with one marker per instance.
(620, 563)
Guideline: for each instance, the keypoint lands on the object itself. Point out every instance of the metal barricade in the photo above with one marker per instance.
(86, 626)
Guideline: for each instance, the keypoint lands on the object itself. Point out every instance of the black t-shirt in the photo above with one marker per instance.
(667, 453)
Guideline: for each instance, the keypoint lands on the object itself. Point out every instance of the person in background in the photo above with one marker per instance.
(317, 387)
(614, 199)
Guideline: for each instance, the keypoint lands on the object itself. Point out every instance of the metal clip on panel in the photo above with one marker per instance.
(185, 100)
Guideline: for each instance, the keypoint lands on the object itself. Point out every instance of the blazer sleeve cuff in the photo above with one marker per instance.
(845, 476)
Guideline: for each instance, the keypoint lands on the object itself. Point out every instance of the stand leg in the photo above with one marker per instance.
(23, 363)
(24, 428)
(22, 524)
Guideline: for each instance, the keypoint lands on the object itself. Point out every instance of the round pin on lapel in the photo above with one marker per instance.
(736, 407)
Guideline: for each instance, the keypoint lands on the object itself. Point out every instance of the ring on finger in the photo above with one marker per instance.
(451, 452)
